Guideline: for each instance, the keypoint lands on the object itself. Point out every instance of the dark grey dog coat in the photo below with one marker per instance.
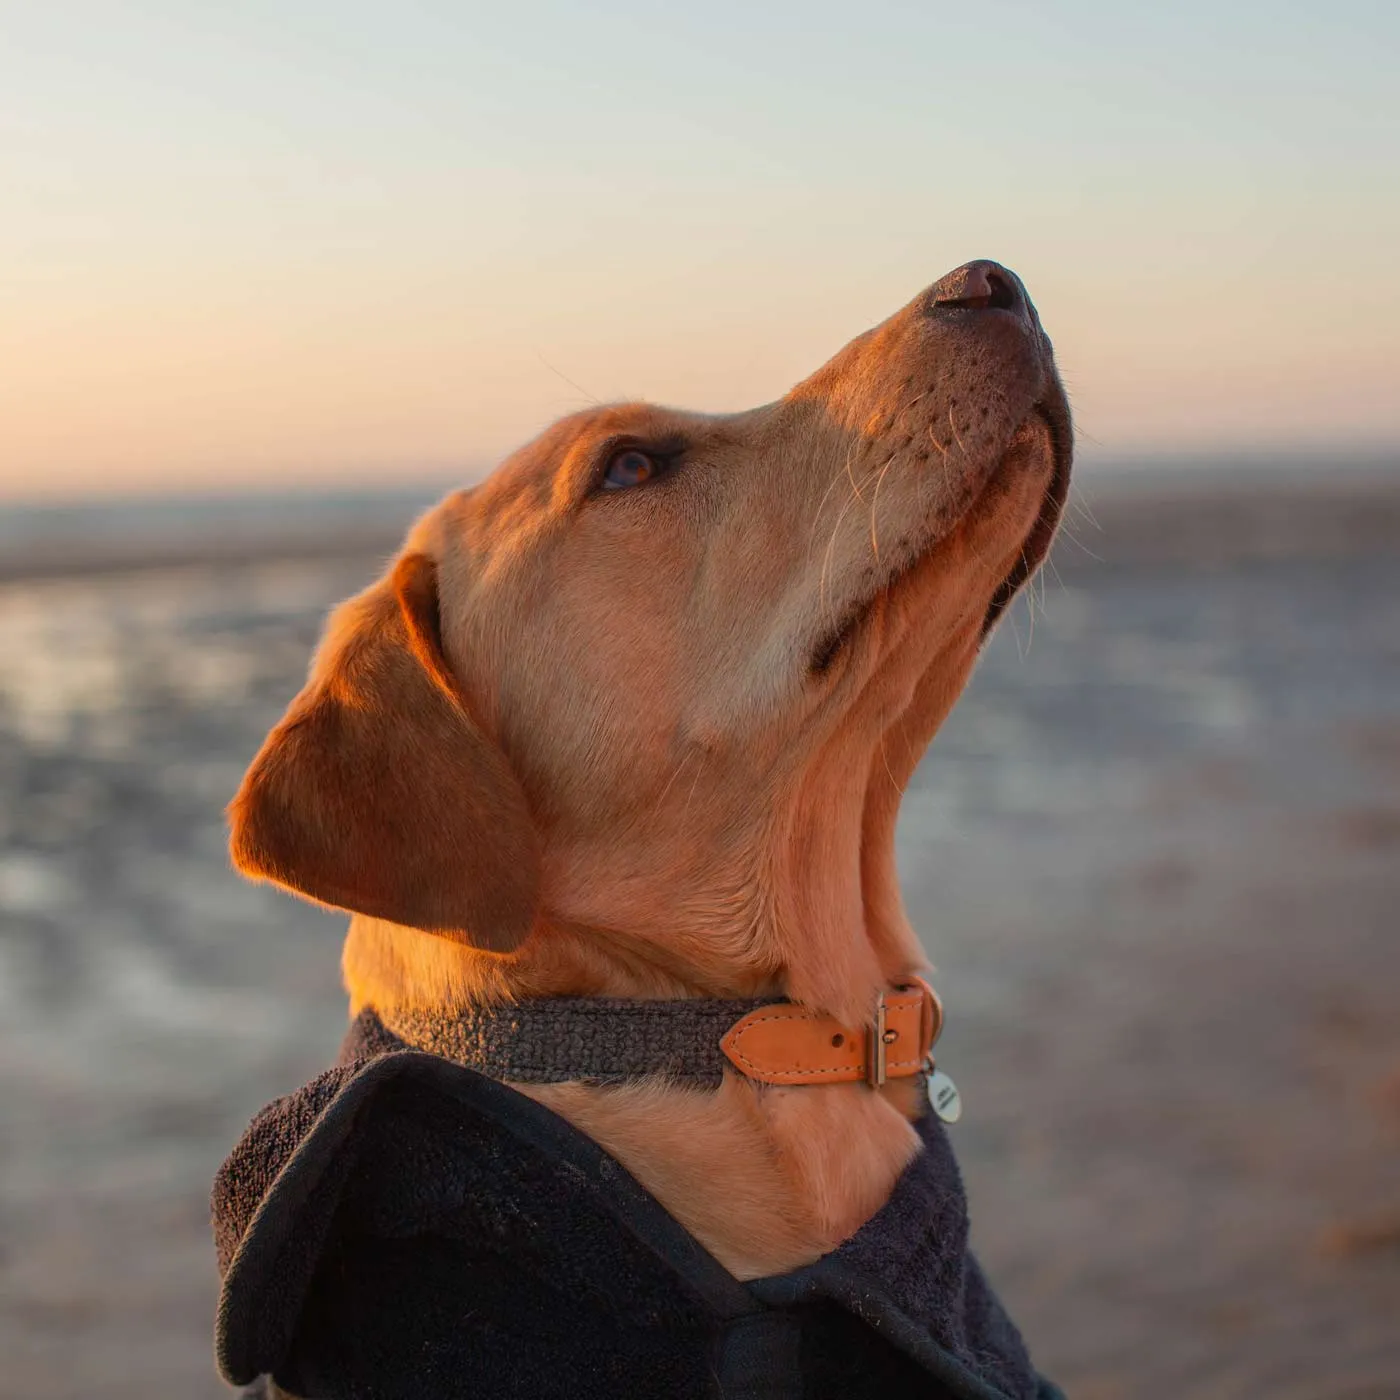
(404, 1228)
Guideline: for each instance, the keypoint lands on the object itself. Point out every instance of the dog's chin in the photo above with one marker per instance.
(1039, 449)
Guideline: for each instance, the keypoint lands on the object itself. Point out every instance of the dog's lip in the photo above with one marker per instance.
(1055, 417)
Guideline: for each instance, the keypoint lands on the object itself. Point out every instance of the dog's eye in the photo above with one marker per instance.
(630, 467)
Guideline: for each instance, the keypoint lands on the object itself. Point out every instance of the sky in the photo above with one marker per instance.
(256, 245)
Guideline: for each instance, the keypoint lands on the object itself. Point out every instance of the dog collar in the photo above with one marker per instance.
(610, 1040)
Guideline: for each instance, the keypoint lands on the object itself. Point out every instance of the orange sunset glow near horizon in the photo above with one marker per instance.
(294, 245)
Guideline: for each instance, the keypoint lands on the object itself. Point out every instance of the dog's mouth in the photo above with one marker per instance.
(1054, 415)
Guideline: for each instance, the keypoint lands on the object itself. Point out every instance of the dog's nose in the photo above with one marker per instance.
(979, 286)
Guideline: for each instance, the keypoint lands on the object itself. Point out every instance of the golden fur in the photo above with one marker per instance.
(594, 741)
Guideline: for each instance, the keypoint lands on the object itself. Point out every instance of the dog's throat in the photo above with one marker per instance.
(612, 1040)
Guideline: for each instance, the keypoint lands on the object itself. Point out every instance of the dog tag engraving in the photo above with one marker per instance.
(943, 1097)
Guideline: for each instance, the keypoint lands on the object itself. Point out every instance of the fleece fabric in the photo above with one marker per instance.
(404, 1228)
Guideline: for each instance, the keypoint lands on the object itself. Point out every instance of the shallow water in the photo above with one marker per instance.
(1155, 854)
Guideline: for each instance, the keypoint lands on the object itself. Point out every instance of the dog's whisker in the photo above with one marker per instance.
(874, 508)
(851, 475)
(953, 424)
(821, 506)
(675, 773)
(885, 759)
(592, 398)
(827, 558)
(1030, 613)
(695, 783)
(1078, 502)
(1067, 533)
(1015, 632)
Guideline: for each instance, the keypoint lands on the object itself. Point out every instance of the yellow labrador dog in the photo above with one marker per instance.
(633, 719)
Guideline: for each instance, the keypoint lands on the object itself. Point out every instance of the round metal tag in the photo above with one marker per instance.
(943, 1097)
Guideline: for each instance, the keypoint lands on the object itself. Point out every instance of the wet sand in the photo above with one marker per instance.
(1155, 855)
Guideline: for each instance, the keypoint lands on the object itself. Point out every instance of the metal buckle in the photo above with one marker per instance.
(930, 1024)
(875, 1060)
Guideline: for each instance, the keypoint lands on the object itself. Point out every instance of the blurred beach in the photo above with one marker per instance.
(1155, 855)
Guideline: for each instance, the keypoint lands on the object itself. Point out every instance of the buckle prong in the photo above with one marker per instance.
(875, 1060)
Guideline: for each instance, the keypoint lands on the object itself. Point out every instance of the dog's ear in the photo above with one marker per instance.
(379, 794)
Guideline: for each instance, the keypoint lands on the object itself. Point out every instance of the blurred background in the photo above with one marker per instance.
(273, 276)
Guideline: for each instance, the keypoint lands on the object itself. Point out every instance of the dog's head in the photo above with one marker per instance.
(661, 679)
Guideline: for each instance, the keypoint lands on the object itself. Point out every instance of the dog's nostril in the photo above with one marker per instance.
(1003, 297)
(977, 286)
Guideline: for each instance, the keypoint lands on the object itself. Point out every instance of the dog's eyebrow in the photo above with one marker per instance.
(668, 442)
(711, 433)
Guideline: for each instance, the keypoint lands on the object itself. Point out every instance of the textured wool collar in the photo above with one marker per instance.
(605, 1040)
(609, 1040)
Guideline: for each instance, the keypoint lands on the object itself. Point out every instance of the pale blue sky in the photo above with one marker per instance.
(256, 243)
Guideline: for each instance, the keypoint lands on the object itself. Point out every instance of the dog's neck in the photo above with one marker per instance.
(387, 966)
(829, 934)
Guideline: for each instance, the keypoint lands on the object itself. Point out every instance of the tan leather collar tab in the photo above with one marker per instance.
(786, 1044)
